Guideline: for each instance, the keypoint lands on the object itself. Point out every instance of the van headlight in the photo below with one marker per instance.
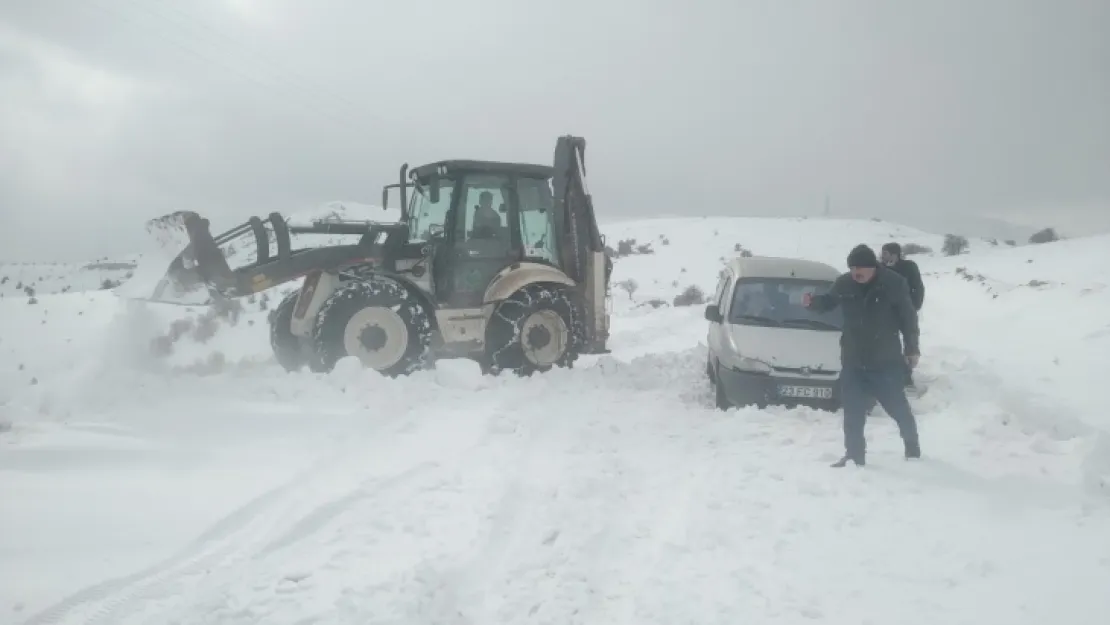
(750, 365)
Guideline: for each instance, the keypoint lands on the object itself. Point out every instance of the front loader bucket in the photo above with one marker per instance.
(182, 266)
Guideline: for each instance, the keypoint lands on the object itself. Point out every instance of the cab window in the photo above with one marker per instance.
(483, 229)
(537, 219)
(426, 215)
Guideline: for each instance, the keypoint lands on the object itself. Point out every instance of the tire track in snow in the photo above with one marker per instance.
(237, 535)
(211, 546)
(420, 446)
(319, 516)
(528, 536)
(462, 594)
(667, 528)
(452, 447)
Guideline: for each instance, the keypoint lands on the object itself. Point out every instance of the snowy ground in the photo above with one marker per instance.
(205, 485)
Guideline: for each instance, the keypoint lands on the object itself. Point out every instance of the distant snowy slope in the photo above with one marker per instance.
(690, 251)
(339, 211)
(21, 279)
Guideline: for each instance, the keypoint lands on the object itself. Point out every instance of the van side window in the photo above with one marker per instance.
(722, 298)
(721, 284)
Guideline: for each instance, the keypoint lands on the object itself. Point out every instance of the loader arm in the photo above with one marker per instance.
(585, 260)
(206, 263)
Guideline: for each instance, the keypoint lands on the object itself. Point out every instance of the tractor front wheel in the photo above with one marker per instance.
(383, 324)
(287, 348)
(535, 329)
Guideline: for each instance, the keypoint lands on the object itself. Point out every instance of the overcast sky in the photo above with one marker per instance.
(114, 111)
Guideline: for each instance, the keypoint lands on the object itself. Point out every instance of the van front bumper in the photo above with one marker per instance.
(745, 388)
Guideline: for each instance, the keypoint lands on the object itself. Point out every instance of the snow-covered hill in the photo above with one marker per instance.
(160, 468)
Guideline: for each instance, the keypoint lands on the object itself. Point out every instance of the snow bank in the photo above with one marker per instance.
(1036, 316)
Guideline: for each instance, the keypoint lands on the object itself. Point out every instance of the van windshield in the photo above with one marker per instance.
(777, 302)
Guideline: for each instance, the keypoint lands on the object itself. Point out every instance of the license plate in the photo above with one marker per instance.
(806, 392)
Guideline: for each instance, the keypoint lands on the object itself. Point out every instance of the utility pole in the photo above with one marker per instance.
(828, 206)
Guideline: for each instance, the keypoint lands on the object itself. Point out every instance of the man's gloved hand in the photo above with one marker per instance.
(911, 360)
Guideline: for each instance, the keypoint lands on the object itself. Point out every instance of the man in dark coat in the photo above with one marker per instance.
(877, 308)
(892, 257)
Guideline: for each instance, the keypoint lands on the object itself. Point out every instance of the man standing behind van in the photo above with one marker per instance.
(876, 308)
(892, 257)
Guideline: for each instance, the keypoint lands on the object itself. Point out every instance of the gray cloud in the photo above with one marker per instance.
(119, 110)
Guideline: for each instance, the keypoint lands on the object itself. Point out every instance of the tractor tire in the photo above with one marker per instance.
(288, 349)
(535, 329)
(381, 323)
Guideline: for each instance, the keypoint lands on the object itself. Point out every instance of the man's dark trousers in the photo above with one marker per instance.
(886, 384)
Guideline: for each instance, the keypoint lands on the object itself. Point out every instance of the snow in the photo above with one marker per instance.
(200, 483)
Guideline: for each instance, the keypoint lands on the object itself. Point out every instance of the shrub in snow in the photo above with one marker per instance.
(691, 296)
(954, 245)
(628, 247)
(1048, 235)
(915, 248)
(107, 284)
(628, 286)
(1011, 242)
(743, 251)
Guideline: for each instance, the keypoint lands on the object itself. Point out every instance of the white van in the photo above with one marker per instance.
(765, 347)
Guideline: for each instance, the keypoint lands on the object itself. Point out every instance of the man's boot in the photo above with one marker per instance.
(913, 449)
(844, 461)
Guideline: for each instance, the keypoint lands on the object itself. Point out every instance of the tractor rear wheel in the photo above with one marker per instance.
(383, 324)
(535, 329)
(287, 348)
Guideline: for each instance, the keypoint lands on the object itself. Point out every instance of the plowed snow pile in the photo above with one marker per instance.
(158, 467)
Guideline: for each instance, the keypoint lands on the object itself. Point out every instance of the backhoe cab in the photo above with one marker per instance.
(500, 262)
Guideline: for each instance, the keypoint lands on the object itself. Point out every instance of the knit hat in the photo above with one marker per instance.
(862, 256)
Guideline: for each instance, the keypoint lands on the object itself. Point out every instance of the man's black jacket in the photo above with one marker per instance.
(908, 270)
(874, 315)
